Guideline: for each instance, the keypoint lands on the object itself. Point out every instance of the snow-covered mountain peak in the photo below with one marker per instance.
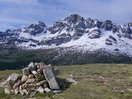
(89, 34)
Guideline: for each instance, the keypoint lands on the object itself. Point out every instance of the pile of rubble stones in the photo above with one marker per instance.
(36, 78)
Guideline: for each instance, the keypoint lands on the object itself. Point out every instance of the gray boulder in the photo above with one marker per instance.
(50, 77)
(31, 66)
(12, 79)
(25, 71)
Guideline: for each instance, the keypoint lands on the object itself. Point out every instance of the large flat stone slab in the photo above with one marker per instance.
(50, 77)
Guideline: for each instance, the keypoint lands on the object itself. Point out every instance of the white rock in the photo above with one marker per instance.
(31, 66)
(25, 91)
(24, 78)
(71, 80)
(16, 91)
(37, 75)
(34, 72)
(41, 83)
(30, 81)
(7, 91)
(30, 76)
(21, 92)
(40, 89)
(56, 91)
(47, 90)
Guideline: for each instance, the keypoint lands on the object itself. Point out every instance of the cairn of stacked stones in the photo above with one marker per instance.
(36, 78)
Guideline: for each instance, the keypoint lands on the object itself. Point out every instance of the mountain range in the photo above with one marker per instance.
(73, 34)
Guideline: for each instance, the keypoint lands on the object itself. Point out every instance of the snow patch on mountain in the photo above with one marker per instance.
(73, 32)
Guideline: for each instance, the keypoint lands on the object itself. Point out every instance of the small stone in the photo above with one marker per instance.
(35, 63)
(16, 91)
(34, 72)
(41, 83)
(47, 90)
(41, 64)
(31, 66)
(45, 85)
(12, 91)
(7, 91)
(33, 94)
(40, 71)
(21, 92)
(40, 89)
(31, 76)
(38, 66)
(24, 78)
(25, 71)
(25, 91)
(30, 81)
(71, 80)
(17, 84)
(32, 85)
(37, 75)
(24, 85)
(56, 91)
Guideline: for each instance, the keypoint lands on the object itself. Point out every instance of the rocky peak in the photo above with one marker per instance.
(74, 18)
(35, 29)
(39, 24)
(91, 23)
(42, 24)
(107, 25)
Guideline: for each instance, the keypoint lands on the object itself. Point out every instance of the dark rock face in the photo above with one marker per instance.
(94, 34)
(110, 40)
(74, 18)
(35, 29)
(107, 25)
(78, 33)
(58, 40)
(57, 27)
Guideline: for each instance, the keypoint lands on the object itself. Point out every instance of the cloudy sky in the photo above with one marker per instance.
(20, 13)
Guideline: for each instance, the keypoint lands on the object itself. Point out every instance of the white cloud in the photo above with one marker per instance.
(116, 10)
(29, 11)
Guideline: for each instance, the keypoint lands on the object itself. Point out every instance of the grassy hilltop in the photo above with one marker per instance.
(95, 81)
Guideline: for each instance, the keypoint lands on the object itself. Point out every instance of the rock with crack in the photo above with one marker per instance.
(50, 77)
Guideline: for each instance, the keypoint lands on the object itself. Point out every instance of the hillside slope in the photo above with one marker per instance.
(95, 81)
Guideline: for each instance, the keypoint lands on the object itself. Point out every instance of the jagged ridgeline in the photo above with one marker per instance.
(73, 40)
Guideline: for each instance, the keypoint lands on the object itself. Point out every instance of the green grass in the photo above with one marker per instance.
(95, 81)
